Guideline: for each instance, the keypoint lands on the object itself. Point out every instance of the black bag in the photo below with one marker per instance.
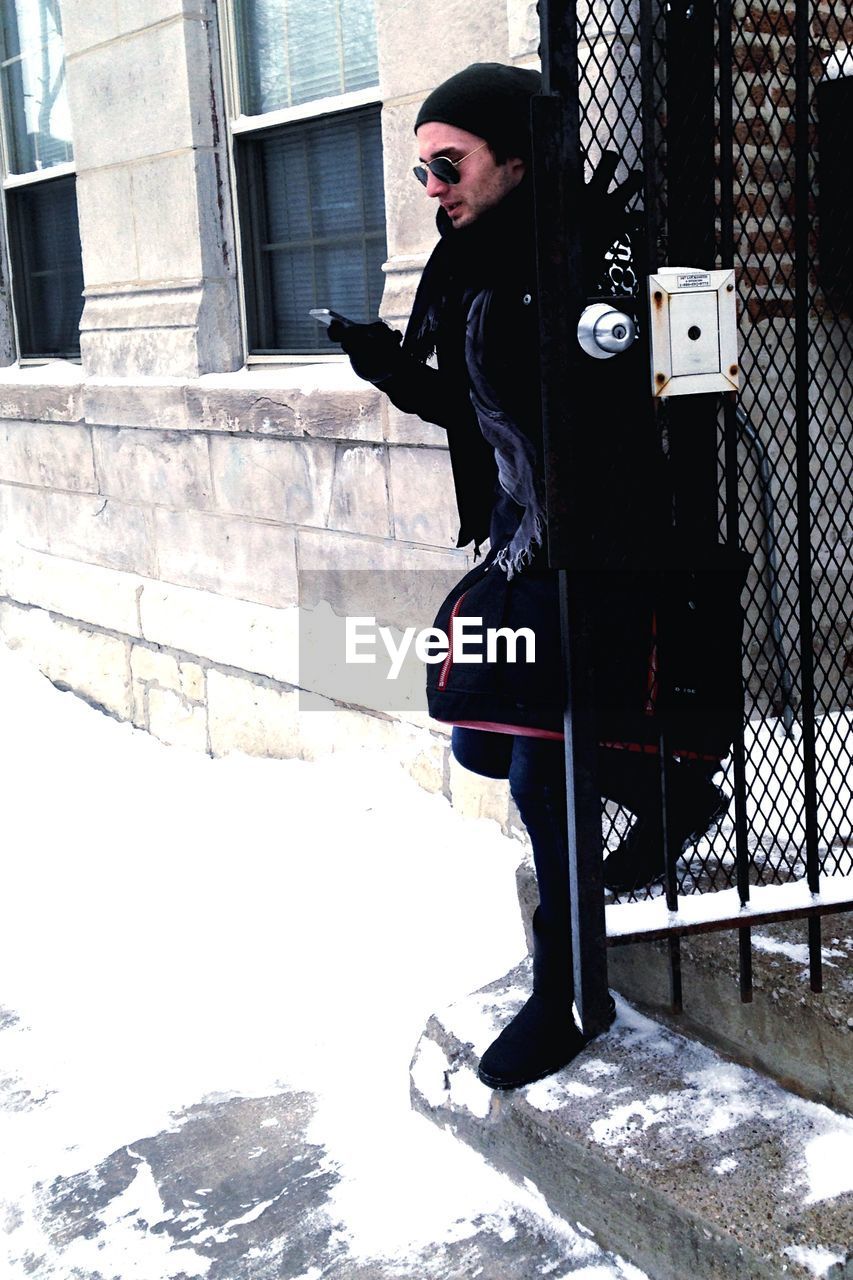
(666, 651)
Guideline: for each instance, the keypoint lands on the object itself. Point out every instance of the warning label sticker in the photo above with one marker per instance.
(693, 280)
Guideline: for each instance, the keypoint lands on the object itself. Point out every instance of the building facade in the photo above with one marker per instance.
(178, 441)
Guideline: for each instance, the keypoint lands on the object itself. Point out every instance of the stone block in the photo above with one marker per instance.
(251, 409)
(93, 665)
(131, 15)
(174, 721)
(405, 428)
(119, 341)
(402, 274)
(423, 497)
(351, 414)
(151, 666)
(82, 592)
(107, 228)
(285, 480)
(169, 245)
(27, 395)
(101, 531)
(171, 469)
(251, 718)
(450, 34)
(522, 27)
(85, 24)
(227, 555)
(121, 402)
(360, 492)
(476, 797)
(174, 332)
(254, 637)
(410, 213)
(330, 550)
(323, 399)
(23, 518)
(142, 85)
(55, 457)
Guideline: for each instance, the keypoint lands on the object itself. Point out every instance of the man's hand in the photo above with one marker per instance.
(603, 215)
(373, 349)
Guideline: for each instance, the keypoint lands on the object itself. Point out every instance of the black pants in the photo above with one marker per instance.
(536, 770)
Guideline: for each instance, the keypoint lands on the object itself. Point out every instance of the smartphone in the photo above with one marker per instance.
(324, 316)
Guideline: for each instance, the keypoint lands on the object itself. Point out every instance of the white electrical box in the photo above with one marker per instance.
(693, 330)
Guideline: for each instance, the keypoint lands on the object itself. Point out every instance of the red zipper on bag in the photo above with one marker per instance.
(444, 673)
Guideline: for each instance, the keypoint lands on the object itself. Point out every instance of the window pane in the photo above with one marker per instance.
(47, 267)
(38, 126)
(313, 227)
(293, 51)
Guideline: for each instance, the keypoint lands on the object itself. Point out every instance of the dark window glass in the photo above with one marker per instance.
(46, 266)
(313, 227)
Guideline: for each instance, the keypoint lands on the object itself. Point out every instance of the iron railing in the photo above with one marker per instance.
(719, 107)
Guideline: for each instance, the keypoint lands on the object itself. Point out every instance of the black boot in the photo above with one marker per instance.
(543, 1036)
(696, 803)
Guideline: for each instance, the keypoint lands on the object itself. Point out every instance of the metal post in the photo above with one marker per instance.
(808, 707)
(731, 421)
(558, 179)
(690, 134)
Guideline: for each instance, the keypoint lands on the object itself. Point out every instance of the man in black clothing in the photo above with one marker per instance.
(475, 312)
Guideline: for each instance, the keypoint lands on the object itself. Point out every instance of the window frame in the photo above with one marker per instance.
(13, 252)
(238, 123)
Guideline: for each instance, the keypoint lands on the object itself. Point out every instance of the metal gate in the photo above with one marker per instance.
(739, 116)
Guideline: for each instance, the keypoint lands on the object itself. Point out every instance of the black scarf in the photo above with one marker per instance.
(458, 298)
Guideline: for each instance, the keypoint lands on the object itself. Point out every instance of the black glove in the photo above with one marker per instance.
(604, 216)
(373, 349)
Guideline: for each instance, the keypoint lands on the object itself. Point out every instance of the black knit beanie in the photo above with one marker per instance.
(490, 100)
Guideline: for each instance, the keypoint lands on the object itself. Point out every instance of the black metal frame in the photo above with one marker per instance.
(685, 107)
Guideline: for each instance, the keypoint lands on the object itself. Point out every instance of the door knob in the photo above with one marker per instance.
(604, 332)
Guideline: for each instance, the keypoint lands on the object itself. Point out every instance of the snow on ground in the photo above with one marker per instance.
(177, 928)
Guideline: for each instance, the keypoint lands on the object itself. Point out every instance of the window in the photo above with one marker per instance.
(38, 182)
(308, 165)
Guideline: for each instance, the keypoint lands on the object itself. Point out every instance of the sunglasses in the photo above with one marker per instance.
(445, 170)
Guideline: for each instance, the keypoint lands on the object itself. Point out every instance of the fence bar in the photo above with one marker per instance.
(652, 178)
(558, 178)
(803, 444)
(690, 173)
(748, 920)
(815, 955)
(676, 990)
(744, 942)
(732, 496)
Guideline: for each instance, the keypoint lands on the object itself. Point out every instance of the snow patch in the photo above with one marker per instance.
(468, 1091)
(796, 951)
(553, 1093)
(829, 1164)
(816, 1260)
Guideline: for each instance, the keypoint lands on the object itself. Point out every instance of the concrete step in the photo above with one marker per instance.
(801, 1038)
(682, 1162)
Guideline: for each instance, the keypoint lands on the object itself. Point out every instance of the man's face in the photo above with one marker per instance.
(482, 182)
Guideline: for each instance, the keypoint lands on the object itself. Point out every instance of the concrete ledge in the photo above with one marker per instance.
(680, 1161)
(801, 1038)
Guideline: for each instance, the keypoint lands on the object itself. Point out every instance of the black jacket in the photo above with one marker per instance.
(488, 270)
